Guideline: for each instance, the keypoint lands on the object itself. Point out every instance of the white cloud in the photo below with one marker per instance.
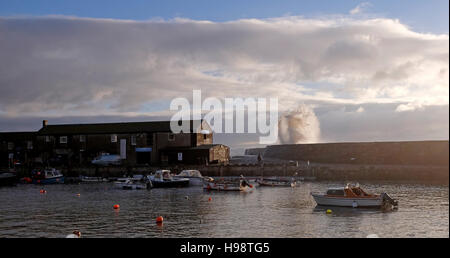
(409, 107)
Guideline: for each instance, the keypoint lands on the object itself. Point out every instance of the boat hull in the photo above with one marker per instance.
(8, 179)
(347, 202)
(276, 183)
(89, 180)
(132, 186)
(227, 187)
(174, 183)
(193, 181)
(51, 180)
(221, 187)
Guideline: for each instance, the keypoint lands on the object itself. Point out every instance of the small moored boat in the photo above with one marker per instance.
(277, 182)
(353, 196)
(163, 178)
(130, 184)
(223, 185)
(194, 176)
(89, 179)
(136, 182)
(47, 176)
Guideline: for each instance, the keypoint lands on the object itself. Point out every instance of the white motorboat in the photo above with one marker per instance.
(353, 196)
(163, 178)
(194, 176)
(89, 179)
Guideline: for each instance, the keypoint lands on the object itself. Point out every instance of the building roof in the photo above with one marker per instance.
(109, 128)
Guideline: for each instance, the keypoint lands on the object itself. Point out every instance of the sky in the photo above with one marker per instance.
(342, 70)
(424, 16)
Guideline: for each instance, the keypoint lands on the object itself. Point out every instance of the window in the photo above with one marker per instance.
(82, 138)
(113, 137)
(30, 145)
(171, 137)
(47, 138)
(149, 139)
(63, 139)
(337, 192)
(205, 136)
(133, 140)
(10, 145)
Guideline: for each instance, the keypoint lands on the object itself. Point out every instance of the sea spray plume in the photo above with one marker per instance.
(299, 126)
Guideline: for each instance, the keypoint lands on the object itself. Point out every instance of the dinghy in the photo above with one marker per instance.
(138, 182)
(224, 185)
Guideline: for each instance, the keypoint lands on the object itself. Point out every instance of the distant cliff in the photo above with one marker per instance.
(422, 153)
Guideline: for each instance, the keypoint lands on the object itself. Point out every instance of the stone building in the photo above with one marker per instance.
(137, 143)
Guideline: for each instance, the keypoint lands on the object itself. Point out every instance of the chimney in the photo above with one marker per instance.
(44, 123)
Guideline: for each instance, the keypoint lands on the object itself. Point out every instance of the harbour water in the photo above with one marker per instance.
(188, 212)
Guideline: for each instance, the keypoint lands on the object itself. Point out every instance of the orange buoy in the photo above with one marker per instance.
(42, 191)
(159, 219)
(210, 199)
(117, 206)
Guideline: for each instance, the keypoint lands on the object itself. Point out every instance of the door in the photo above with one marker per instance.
(123, 148)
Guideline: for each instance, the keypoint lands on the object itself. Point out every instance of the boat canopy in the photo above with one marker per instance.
(190, 173)
(163, 174)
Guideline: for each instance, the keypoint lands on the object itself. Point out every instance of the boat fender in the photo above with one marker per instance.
(355, 204)
(116, 206)
(159, 220)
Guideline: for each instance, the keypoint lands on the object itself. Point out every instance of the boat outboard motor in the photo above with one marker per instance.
(388, 200)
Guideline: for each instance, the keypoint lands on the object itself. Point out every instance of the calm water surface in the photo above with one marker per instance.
(266, 212)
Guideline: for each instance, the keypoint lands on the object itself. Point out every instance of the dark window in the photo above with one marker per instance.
(149, 139)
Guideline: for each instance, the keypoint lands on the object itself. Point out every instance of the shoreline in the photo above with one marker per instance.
(314, 171)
